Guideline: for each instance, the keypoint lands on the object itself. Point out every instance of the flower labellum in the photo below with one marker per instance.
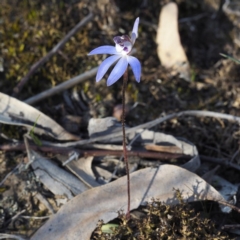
(120, 54)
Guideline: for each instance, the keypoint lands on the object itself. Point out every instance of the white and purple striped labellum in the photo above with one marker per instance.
(123, 44)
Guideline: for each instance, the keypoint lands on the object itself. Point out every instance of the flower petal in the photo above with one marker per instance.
(136, 67)
(135, 30)
(104, 50)
(105, 65)
(117, 71)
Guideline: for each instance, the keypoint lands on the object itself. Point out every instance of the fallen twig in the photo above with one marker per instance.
(149, 125)
(43, 60)
(226, 204)
(87, 153)
(223, 162)
(210, 114)
(68, 147)
(230, 226)
(61, 87)
(36, 218)
(15, 216)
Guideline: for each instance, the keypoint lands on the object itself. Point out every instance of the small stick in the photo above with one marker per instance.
(231, 226)
(44, 59)
(148, 125)
(36, 218)
(15, 216)
(223, 162)
(225, 204)
(125, 79)
(61, 87)
(96, 153)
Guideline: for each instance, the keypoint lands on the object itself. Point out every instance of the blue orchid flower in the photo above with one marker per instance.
(119, 53)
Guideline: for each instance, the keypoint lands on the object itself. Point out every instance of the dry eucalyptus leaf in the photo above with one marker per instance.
(15, 112)
(105, 170)
(103, 173)
(103, 127)
(78, 218)
(165, 140)
(82, 169)
(170, 50)
(56, 179)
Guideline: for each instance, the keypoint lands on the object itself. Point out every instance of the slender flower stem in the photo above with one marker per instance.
(121, 54)
(125, 79)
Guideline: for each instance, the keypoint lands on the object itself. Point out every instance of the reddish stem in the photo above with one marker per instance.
(161, 156)
(125, 79)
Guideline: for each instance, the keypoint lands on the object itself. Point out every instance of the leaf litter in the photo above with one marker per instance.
(50, 185)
